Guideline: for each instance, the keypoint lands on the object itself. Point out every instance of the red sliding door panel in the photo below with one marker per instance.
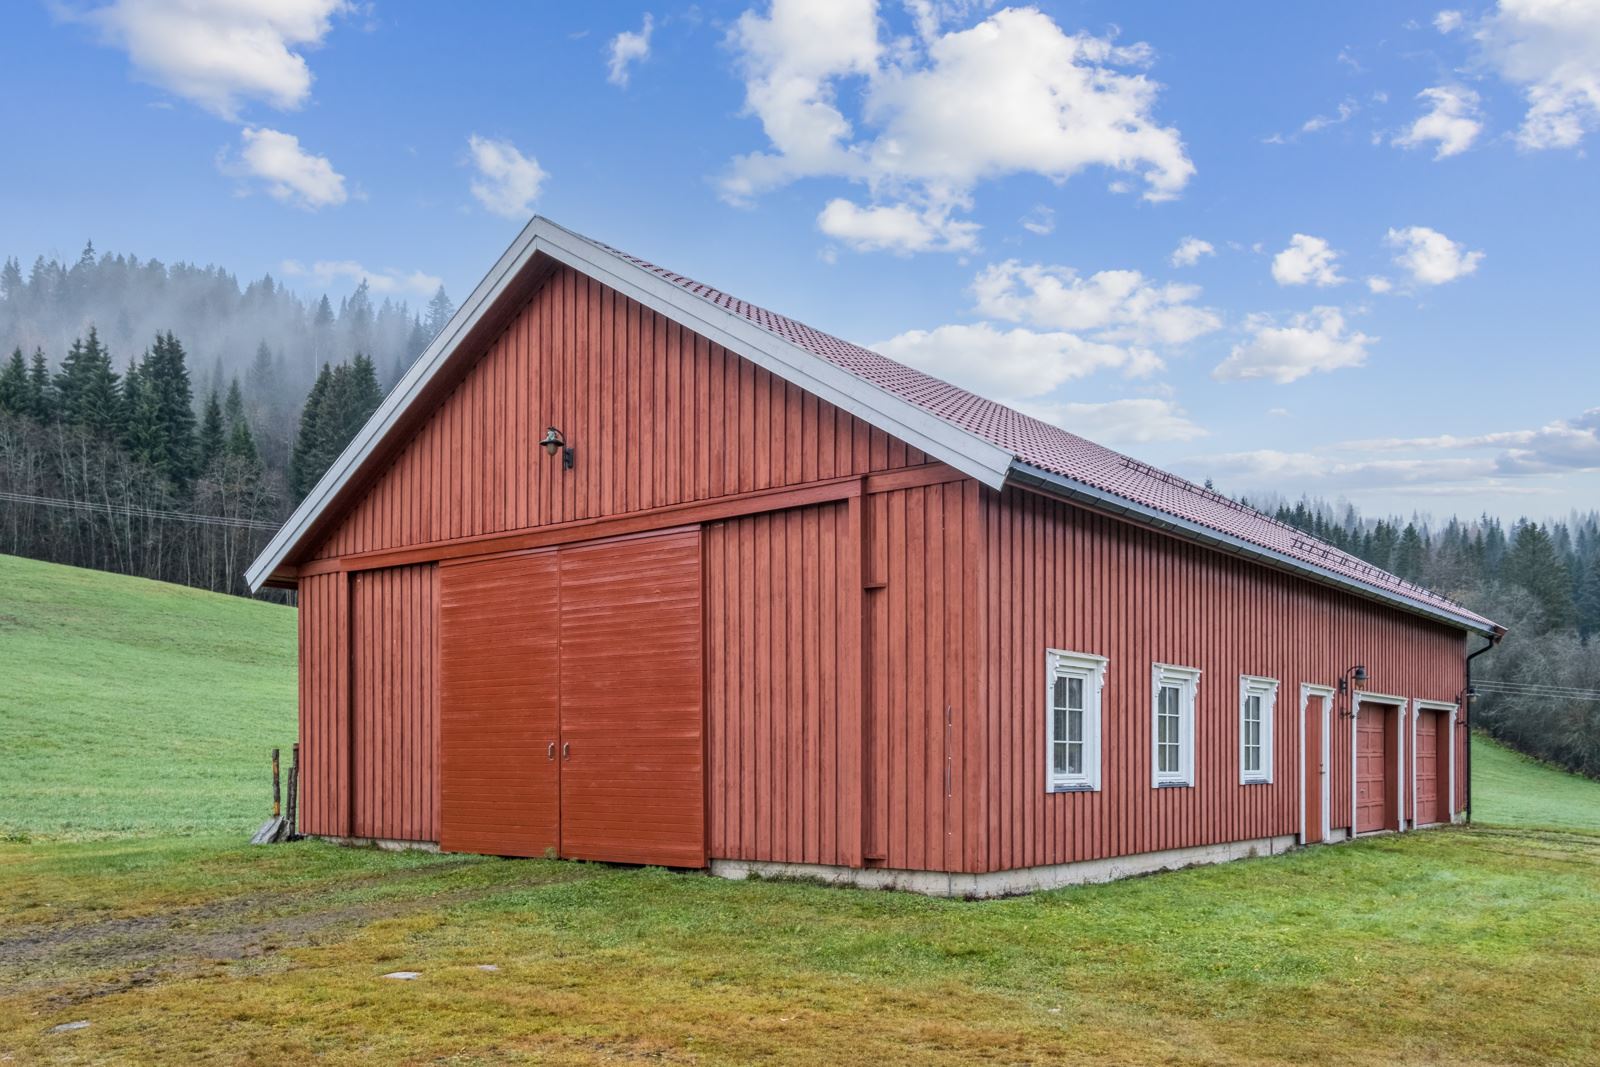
(499, 706)
(632, 701)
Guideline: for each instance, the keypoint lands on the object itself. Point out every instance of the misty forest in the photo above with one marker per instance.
(162, 421)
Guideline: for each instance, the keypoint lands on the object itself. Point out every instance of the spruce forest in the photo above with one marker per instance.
(162, 421)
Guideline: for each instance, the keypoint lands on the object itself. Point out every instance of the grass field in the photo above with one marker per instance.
(177, 943)
(1510, 789)
(136, 706)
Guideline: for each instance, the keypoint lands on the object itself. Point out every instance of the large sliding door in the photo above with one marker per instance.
(633, 753)
(573, 704)
(499, 701)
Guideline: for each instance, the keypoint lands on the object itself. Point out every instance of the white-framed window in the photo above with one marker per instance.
(1174, 691)
(1073, 681)
(1258, 700)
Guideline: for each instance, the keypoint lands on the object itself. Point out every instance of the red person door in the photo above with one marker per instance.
(1315, 768)
(1426, 767)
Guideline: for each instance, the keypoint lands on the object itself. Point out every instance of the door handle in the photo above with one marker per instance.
(566, 750)
(550, 753)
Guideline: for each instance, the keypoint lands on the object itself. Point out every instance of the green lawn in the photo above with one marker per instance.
(135, 721)
(136, 706)
(1510, 789)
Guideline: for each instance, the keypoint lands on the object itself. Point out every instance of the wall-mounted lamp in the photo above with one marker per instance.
(1472, 692)
(1356, 676)
(553, 442)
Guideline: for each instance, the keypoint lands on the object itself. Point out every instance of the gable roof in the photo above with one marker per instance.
(985, 440)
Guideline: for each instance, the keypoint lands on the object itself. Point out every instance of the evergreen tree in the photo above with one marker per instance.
(233, 407)
(1588, 600)
(87, 388)
(305, 461)
(1410, 554)
(144, 433)
(242, 445)
(439, 311)
(14, 385)
(1534, 563)
(42, 399)
(213, 433)
(168, 374)
(11, 283)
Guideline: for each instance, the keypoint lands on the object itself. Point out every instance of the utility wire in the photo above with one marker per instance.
(136, 512)
(1547, 692)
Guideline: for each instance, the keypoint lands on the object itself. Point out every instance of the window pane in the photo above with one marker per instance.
(1252, 709)
(1169, 758)
(1075, 759)
(1060, 699)
(1058, 731)
(1075, 693)
(1059, 757)
(1075, 724)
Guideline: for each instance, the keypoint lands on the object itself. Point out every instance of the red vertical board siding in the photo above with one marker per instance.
(622, 384)
(391, 739)
(1059, 576)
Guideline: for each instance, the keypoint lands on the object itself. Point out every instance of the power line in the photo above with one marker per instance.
(159, 514)
(1546, 692)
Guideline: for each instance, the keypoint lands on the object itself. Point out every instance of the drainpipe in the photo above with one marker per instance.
(1466, 711)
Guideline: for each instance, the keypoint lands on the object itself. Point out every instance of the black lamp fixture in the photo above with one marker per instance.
(553, 442)
(1356, 676)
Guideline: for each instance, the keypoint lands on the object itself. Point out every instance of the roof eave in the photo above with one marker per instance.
(1026, 474)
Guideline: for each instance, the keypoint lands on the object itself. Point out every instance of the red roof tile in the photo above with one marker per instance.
(1053, 449)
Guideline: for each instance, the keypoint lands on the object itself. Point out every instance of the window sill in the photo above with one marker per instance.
(1174, 785)
(1080, 787)
(1255, 781)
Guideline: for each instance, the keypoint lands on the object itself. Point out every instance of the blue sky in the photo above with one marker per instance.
(1388, 209)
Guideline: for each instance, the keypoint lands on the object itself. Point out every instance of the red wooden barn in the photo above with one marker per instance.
(628, 569)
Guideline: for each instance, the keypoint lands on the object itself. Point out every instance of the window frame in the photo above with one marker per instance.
(1187, 681)
(1266, 689)
(1091, 669)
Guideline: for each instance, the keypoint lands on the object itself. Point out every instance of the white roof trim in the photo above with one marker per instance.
(961, 449)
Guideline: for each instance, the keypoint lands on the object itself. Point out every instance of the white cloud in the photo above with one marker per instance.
(1307, 260)
(1005, 365)
(220, 54)
(1492, 462)
(507, 182)
(944, 112)
(328, 272)
(1429, 256)
(1041, 220)
(1447, 21)
(1138, 420)
(1311, 342)
(628, 48)
(1559, 445)
(1377, 283)
(1451, 121)
(1551, 48)
(1189, 251)
(1347, 108)
(289, 172)
(1116, 305)
(898, 228)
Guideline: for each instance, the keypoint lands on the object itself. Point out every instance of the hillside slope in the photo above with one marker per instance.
(1510, 789)
(132, 705)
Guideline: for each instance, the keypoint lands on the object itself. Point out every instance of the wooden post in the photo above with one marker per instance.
(277, 798)
(291, 809)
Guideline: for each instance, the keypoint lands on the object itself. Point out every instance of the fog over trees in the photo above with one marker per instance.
(162, 421)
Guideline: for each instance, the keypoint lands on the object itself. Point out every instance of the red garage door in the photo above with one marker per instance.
(1374, 769)
(1426, 768)
(572, 707)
